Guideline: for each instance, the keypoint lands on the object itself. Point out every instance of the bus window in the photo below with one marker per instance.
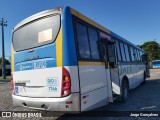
(93, 38)
(40, 32)
(105, 36)
(132, 54)
(127, 52)
(135, 55)
(139, 55)
(122, 52)
(83, 43)
(118, 51)
(111, 53)
(140, 52)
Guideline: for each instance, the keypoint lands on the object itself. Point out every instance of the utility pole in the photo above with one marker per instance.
(3, 23)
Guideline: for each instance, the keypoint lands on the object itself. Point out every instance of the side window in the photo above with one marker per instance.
(127, 52)
(104, 36)
(118, 51)
(83, 44)
(132, 54)
(122, 52)
(139, 58)
(140, 52)
(111, 52)
(93, 38)
(136, 55)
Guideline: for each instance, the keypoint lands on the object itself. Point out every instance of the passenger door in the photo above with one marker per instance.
(113, 66)
(109, 55)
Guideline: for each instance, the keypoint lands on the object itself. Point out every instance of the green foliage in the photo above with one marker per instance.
(152, 49)
(6, 61)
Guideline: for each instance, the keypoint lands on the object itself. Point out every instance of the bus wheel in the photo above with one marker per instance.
(125, 91)
(144, 79)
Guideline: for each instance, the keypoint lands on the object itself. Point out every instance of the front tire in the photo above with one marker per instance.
(125, 91)
(144, 79)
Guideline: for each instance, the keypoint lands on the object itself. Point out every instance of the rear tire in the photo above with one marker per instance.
(125, 91)
(144, 79)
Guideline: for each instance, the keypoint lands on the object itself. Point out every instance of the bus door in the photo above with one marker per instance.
(113, 66)
(112, 75)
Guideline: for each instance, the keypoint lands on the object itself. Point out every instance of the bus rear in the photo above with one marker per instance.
(40, 80)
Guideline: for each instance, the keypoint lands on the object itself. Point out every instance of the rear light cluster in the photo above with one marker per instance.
(66, 83)
(12, 83)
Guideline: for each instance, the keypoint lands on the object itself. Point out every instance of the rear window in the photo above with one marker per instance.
(37, 33)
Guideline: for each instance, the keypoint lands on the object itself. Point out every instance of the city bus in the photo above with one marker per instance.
(64, 61)
(155, 63)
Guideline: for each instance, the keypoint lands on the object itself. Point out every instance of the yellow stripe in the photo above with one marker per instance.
(81, 63)
(59, 49)
(12, 58)
(74, 12)
(81, 16)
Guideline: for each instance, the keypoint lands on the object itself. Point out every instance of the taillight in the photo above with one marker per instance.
(12, 83)
(66, 83)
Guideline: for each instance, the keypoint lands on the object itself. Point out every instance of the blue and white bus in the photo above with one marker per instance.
(156, 63)
(64, 61)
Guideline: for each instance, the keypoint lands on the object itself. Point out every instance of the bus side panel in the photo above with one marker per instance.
(137, 71)
(126, 70)
(93, 85)
(69, 48)
(133, 72)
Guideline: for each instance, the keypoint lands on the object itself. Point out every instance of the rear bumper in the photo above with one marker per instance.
(49, 104)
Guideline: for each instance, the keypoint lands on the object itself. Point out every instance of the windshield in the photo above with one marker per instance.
(37, 33)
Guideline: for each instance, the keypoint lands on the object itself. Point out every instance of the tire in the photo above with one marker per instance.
(144, 79)
(125, 91)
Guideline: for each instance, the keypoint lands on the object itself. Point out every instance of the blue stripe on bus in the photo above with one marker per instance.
(35, 64)
(69, 49)
(47, 52)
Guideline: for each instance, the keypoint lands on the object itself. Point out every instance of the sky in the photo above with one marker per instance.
(137, 21)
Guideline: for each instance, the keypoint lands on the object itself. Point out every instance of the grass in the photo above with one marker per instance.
(7, 78)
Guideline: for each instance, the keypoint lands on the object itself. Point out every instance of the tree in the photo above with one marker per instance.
(5, 61)
(152, 49)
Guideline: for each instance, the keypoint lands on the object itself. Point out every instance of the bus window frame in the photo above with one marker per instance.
(76, 19)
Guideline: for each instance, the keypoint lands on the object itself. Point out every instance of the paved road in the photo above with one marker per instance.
(143, 98)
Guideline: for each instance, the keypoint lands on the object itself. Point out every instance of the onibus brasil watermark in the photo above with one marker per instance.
(21, 114)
